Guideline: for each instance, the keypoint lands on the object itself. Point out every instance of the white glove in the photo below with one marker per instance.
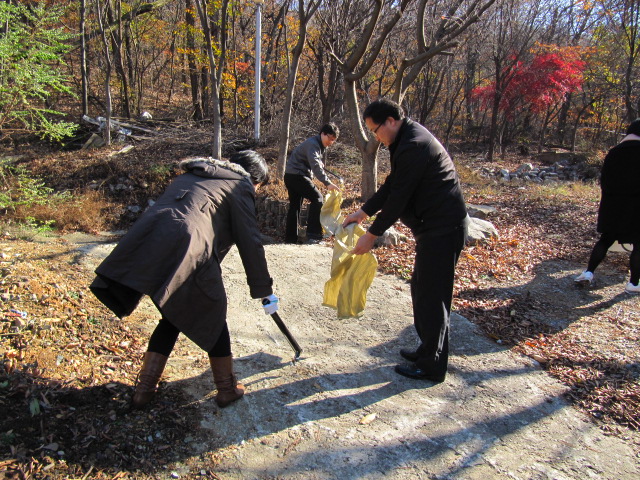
(270, 304)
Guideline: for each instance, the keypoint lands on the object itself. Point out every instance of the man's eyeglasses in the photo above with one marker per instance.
(375, 130)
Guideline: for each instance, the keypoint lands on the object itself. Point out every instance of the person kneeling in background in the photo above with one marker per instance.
(173, 254)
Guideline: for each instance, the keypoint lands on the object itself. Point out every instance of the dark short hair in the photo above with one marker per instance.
(634, 127)
(254, 164)
(381, 109)
(330, 129)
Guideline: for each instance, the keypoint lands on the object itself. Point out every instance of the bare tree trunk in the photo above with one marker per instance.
(116, 45)
(574, 134)
(493, 128)
(215, 71)
(107, 82)
(333, 103)
(135, 78)
(273, 39)
(454, 106)
(235, 67)
(561, 127)
(543, 130)
(191, 60)
(368, 146)
(83, 58)
(470, 72)
(630, 25)
(286, 115)
(303, 20)
(204, 92)
(629, 82)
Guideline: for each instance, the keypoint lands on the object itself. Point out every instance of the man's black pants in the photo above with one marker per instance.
(431, 294)
(299, 188)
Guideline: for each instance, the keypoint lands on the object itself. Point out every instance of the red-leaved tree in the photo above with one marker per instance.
(538, 87)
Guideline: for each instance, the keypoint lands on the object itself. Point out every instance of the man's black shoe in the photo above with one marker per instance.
(413, 371)
(410, 355)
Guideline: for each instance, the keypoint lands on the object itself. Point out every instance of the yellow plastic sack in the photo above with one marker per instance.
(330, 215)
(351, 275)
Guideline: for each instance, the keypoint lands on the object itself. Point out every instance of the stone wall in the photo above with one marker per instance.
(272, 213)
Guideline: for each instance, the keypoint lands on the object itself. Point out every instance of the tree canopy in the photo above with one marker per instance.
(565, 70)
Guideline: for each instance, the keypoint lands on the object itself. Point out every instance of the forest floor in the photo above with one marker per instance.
(543, 381)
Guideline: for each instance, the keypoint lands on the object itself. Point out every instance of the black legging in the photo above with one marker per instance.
(164, 338)
(600, 250)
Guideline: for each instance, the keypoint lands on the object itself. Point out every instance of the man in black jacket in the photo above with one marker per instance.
(423, 191)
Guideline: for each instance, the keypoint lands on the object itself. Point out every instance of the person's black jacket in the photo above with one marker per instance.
(619, 211)
(422, 190)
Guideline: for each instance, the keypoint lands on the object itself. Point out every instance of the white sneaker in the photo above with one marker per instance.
(631, 288)
(585, 278)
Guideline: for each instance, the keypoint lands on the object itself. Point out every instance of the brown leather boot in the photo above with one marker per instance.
(148, 378)
(229, 390)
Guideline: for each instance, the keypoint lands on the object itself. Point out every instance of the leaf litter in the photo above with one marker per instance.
(68, 366)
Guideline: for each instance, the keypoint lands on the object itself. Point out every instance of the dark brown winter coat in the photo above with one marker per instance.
(173, 252)
(619, 211)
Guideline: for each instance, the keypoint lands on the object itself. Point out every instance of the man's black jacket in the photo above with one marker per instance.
(422, 190)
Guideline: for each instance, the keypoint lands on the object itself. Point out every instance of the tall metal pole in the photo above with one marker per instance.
(258, 66)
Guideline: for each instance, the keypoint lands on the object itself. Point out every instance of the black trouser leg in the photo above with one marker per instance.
(165, 335)
(295, 205)
(314, 228)
(163, 338)
(222, 348)
(431, 294)
(599, 251)
(634, 264)
(300, 187)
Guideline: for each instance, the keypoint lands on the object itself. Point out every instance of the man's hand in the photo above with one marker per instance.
(356, 217)
(365, 243)
(332, 186)
(270, 304)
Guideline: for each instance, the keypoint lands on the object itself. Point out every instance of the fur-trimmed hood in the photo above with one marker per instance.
(213, 168)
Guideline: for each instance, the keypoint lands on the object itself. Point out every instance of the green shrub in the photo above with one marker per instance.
(31, 50)
(19, 189)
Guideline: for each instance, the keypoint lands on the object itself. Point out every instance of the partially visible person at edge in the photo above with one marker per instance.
(423, 191)
(173, 254)
(619, 211)
(304, 162)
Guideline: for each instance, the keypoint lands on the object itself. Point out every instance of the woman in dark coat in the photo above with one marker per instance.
(173, 255)
(619, 212)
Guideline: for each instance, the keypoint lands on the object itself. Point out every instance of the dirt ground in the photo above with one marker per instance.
(340, 412)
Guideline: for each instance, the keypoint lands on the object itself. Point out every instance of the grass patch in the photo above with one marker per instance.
(83, 212)
(564, 191)
(35, 209)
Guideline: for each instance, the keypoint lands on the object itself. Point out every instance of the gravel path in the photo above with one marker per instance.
(341, 412)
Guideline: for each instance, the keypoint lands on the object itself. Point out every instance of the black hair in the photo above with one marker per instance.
(254, 164)
(330, 129)
(634, 127)
(379, 110)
